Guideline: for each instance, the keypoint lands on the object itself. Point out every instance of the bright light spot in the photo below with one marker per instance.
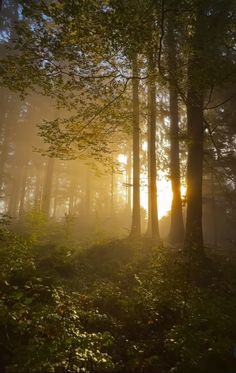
(144, 146)
(122, 158)
(164, 192)
(164, 197)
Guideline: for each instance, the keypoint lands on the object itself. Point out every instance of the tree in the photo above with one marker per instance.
(136, 224)
(176, 234)
(153, 225)
(206, 47)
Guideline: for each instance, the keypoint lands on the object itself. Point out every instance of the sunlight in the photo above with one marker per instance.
(122, 158)
(164, 190)
(164, 197)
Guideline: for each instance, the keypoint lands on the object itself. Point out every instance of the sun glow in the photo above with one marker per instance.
(164, 190)
(164, 197)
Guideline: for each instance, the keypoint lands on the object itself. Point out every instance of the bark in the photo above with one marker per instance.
(4, 153)
(15, 196)
(72, 196)
(153, 224)
(47, 187)
(176, 234)
(24, 177)
(195, 134)
(112, 193)
(88, 193)
(214, 212)
(56, 197)
(128, 180)
(136, 223)
(194, 236)
(38, 188)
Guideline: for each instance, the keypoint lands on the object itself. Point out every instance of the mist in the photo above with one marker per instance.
(117, 186)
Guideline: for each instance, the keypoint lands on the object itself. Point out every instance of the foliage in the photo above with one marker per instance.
(40, 322)
(117, 306)
(162, 318)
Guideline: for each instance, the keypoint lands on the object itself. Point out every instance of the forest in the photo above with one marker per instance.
(118, 186)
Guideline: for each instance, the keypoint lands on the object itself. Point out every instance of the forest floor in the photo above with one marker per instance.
(115, 306)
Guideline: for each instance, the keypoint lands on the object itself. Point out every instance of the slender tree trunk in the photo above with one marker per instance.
(176, 234)
(153, 224)
(194, 236)
(112, 193)
(47, 187)
(23, 190)
(72, 196)
(214, 212)
(55, 200)
(88, 193)
(4, 153)
(195, 131)
(128, 180)
(38, 189)
(136, 223)
(15, 196)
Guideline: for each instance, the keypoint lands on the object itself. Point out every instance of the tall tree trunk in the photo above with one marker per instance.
(128, 179)
(112, 193)
(176, 234)
(88, 192)
(195, 133)
(214, 212)
(153, 224)
(4, 153)
(47, 187)
(194, 236)
(23, 190)
(55, 195)
(38, 188)
(136, 223)
(15, 196)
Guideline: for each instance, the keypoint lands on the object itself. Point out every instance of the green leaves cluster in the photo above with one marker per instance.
(40, 322)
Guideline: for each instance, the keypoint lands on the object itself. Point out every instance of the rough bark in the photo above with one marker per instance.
(153, 224)
(193, 235)
(195, 135)
(136, 224)
(176, 235)
(128, 180)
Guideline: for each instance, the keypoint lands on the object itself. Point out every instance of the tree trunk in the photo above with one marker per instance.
(128, 180)
(88, 205)
(47, 188)
(112, 193)
(4, 153)
(72, 196)
(55, 195)
(23, 190)
(136, 223)
(38, 187)
(214, 212)
(176, 234)
(15, 196)
(195, 132)
(153, 224)
(195, 128)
